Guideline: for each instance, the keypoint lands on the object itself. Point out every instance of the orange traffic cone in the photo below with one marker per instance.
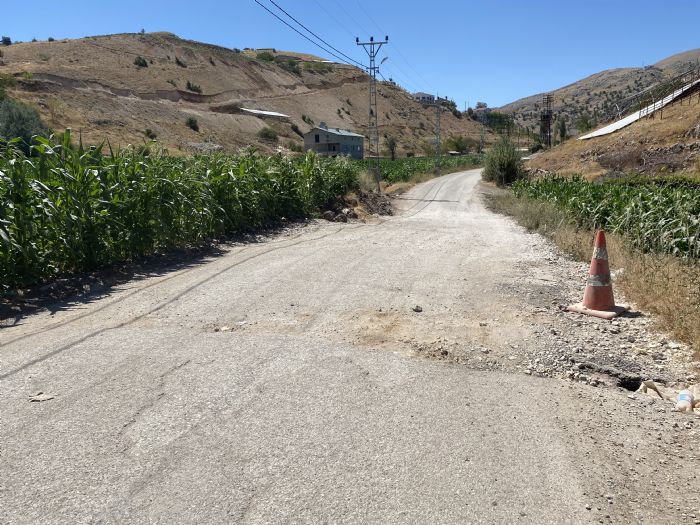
(598, 299)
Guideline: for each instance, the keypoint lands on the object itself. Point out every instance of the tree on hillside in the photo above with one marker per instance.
(562, 130)
(391, 145)
(481, 105)
(6, 41)
(18, 120)
(583, 122)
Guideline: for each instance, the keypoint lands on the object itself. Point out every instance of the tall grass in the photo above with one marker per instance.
(654, 215)
(67, 209)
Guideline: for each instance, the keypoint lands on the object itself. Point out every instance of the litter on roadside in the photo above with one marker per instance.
(685, 400)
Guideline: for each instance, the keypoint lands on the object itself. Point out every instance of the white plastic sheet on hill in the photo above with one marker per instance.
(619, 124)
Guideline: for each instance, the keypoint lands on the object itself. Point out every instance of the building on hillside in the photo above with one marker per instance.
(332, 142)
(482, 114)
(424, 98)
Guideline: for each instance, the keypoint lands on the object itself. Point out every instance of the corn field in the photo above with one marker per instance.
(68, 209)
(402, 170)
(655, 215)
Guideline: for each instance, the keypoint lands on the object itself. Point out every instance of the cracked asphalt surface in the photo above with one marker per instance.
(280, 383)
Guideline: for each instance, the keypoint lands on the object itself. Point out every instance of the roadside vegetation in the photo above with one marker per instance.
(653, 228)
(502, 163)
(68, 209)
(407, 169)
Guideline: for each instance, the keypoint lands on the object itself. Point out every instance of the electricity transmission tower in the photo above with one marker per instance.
(372, 48)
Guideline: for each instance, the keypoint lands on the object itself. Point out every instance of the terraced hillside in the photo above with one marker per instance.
(128, 87)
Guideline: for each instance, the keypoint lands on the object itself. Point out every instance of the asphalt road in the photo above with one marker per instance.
(275, 384)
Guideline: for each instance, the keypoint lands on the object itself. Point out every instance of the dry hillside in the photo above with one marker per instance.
(666, 143)
(94, 85)
(598, 95)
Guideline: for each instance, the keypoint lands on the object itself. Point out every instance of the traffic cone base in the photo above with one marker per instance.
(598, 299)
(603, 314)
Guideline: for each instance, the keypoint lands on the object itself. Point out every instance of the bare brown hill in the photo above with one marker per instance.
(667, 143)
(600, 94)
(126, 87)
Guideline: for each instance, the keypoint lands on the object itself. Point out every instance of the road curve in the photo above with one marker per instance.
(280, 383)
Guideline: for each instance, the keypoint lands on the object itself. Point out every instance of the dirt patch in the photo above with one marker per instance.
(375, 203)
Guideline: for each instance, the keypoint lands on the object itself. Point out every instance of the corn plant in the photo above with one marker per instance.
(67, 208)
(655, 215)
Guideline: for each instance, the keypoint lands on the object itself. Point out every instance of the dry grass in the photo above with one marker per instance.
(666, 286)
(640, 146)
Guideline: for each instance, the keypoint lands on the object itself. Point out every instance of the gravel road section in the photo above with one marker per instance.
(294, 380)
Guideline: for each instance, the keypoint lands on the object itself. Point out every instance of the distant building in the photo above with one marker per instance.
(482, 114)
(332, 142)
(424, 98)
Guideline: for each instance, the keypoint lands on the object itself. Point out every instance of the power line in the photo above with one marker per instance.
(330, 15)
(408, 63)
(314, 34)
(301, 34)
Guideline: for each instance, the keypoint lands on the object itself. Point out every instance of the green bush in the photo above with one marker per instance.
(140, 62)
(6, 41)
(150, 134)
(6, 81)
(293, 146)
(180, 62)
(267, 134)
(265, 56)
(317, 67)
(296, 130)
(502, 163)
(51, 39)
(193, 87)
(192, 123)
(18, 121)
(290, 65)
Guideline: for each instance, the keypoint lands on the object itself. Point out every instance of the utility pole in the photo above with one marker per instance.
(372, 48)
(546, 121)
(438, 108)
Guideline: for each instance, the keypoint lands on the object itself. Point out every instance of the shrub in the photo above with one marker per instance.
(193, 87)
(18, 120)
(6, 41)
(192, 123)
(267, 134)
(293, 146)
(150, 134)
(51, 39)
(180, 62)
(296, 130)
(290, 65)
(172, 82)
(236, 50)
(265, 56)
(502, 164)
(140, 62)
(6, 81)
(317, 67)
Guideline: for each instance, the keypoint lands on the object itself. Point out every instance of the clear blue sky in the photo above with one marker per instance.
(489, 50)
